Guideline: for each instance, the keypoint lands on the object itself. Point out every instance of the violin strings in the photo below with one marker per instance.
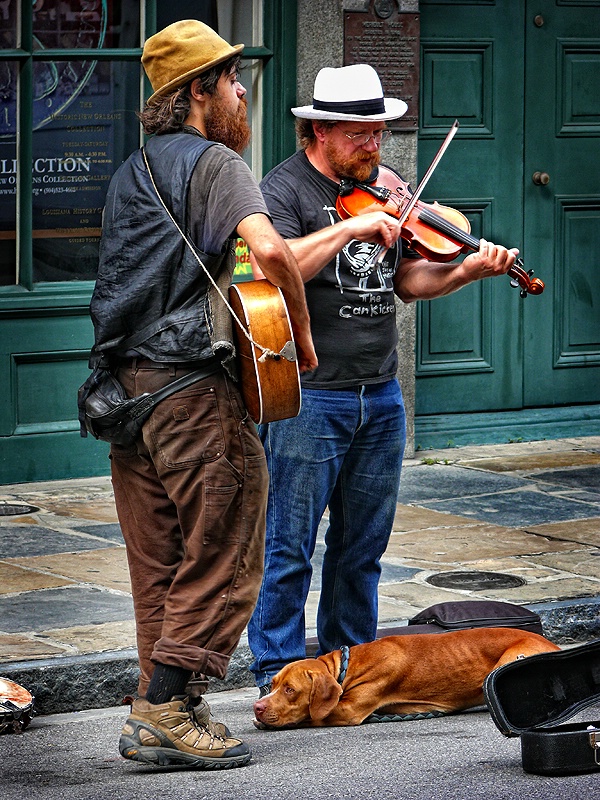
(443, 226)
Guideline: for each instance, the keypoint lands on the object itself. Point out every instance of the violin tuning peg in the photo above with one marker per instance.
(514, 283)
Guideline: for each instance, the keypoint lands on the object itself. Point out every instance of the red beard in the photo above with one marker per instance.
(229, 128)
(357, 166)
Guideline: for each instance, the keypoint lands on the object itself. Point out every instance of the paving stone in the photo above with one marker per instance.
(420, 595)
(574, 494)
(53, 608)
(14, 578)
(533, 461)
(439, 482)
(584, 478)
(580, 562)
(414, 518)
(108, 531)
(96, 638)
(583, 531)
(530, 510)
(35, 541)
(106, 568)
(100, 510)
(526, 567)
(470, 543)
(19, 648)
(541, 591)
(111, 532)
(516, 508)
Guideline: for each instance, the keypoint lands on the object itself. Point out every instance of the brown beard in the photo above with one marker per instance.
(358, 166)
(229, 128)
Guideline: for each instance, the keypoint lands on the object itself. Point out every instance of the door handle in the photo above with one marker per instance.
(540, 178)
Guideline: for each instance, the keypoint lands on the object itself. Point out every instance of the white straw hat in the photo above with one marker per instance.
(351, 93)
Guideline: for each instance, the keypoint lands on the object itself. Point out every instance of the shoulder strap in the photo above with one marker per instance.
(266, 352)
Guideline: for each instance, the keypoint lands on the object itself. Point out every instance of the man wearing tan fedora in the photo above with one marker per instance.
(344, 450)
(191, 490)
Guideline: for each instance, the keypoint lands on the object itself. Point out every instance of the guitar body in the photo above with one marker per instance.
(271, 387)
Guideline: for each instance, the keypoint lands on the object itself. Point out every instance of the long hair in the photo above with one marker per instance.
(168, 114)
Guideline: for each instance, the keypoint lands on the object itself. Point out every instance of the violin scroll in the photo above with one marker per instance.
(521, 279)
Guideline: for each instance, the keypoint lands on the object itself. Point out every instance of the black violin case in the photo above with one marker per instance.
(532, 696)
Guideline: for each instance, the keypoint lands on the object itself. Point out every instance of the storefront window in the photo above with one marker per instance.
(75, 154)
(82, 124)
(71, 84)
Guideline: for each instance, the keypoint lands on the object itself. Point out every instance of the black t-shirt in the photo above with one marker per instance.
(351, 300)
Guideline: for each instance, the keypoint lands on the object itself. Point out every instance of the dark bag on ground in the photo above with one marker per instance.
(457, 615)
(460, 614)
(108, 414)
(532, 696)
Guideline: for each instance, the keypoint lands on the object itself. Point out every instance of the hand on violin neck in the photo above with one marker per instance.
(490, 260)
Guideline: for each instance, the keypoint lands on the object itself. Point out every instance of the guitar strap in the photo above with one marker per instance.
(266, 351)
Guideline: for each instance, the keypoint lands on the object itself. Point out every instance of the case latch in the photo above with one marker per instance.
(595, 742)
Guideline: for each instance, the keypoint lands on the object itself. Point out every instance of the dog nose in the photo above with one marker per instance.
(259, 707)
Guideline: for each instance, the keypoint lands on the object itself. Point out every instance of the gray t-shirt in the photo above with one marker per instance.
(222, 193)
(351, 300)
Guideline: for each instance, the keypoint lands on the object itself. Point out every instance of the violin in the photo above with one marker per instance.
(436, 232)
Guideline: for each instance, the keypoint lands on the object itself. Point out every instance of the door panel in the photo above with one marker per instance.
(469, 343)
(562, 135)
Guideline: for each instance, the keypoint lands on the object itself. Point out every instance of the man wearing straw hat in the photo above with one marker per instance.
(191, 491)
(344, 451)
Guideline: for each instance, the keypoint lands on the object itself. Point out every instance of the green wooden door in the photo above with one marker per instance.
(522, 78)
(562, 231)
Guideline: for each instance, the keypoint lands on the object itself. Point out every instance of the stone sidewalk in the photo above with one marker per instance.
(517, 522)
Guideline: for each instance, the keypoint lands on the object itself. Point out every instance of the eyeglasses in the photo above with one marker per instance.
(361, 139)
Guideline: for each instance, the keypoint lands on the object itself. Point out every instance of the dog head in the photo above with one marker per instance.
(304, 691)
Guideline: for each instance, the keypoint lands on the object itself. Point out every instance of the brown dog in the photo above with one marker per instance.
(394, 675)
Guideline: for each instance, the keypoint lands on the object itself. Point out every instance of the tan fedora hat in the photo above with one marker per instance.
(181, 51)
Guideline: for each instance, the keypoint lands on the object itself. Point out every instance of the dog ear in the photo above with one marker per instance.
(324, 695)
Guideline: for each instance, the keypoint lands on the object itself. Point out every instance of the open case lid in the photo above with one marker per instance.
(543, 690)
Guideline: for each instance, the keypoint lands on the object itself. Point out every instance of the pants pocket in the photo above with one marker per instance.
(186, 429)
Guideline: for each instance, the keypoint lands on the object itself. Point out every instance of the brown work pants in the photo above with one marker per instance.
(191, 498)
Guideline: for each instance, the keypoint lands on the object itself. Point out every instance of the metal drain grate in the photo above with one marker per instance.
(14, 509)
(474, 580)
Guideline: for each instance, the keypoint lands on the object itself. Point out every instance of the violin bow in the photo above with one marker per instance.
(424, 180)
(430, 170)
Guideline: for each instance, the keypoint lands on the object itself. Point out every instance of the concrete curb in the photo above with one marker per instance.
(101, 680)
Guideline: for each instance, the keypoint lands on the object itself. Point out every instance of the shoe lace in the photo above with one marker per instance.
(204, 726)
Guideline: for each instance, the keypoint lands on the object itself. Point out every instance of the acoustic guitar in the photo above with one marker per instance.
(270, 383)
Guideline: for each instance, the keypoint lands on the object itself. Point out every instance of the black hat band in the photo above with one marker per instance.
(362, 107)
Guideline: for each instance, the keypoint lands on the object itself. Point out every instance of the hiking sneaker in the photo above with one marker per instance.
(170, 734)
(264, 690)
(202, 716)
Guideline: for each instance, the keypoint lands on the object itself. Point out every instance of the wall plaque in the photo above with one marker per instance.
(388, 40)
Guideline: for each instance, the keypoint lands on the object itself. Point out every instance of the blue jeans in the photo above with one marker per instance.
(344, 451)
